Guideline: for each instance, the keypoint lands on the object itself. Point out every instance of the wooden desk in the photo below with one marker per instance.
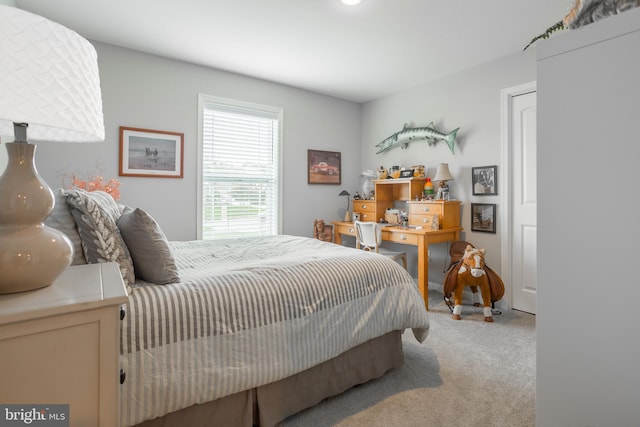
(408, 236)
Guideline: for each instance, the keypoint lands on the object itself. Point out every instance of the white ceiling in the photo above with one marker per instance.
(358, 53)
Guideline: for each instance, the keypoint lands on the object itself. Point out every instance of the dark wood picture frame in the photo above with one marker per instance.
(483, 217)
(407, 173)
(484, 180)
(324, 167)
(151, 153)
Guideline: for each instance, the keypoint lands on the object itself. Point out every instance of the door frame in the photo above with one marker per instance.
(506, 177)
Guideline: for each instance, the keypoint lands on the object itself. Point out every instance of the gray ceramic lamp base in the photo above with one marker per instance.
(32, 255)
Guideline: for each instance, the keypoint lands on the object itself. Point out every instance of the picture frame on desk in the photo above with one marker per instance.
(483, 217)
(407, 173)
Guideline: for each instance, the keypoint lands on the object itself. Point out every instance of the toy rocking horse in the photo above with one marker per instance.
(469, 269)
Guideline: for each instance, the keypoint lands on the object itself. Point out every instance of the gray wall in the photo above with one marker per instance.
(146, 91)
(469, 100)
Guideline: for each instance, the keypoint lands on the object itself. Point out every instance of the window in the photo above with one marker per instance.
(239, 169)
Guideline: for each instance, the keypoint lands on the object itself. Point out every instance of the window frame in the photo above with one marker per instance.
(277, 111)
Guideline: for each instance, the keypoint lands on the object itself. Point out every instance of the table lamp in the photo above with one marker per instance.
(50, 87)
(347, 215)
(443, 175)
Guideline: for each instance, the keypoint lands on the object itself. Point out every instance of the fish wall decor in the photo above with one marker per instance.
(409, 134)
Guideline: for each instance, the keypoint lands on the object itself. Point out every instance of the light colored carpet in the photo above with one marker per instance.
(466, 373)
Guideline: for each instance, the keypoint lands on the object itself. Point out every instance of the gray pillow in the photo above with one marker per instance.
(96, 215)
(61, 219)
(149, 247)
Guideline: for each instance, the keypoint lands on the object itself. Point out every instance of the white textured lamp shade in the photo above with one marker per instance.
(442, 173)
(50, 91)
(48, 79)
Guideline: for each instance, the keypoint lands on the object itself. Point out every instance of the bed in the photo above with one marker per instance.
(246, 331)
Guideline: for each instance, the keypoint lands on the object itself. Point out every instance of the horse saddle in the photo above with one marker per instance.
(456, 251)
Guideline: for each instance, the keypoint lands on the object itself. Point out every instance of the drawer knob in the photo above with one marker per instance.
(403, 237)
(123, 376)
(364, 206)
(122, 313)
(425, 209)
(364, 216)
(351, 230)
(425, 220)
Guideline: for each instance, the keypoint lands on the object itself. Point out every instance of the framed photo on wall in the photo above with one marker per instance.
(484, 180)
(151, 153)
(483, 217)
(324, 167)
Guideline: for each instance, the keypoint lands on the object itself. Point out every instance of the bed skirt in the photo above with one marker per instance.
(270, 404)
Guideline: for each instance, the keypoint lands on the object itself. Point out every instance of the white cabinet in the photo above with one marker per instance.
(588, 144)
(60, 344)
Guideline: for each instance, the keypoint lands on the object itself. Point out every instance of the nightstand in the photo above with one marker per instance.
(60, 344)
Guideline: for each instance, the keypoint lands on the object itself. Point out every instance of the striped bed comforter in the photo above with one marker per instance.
(248, 312)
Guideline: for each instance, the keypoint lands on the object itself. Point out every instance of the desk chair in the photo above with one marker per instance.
(369, 238)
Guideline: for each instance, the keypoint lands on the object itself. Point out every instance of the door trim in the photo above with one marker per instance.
(506, 177)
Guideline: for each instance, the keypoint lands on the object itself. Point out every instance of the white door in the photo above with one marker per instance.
(523, 202)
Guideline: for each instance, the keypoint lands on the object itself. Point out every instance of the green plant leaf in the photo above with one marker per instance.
(555, 27)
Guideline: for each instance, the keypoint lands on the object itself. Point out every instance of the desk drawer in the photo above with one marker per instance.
(425, 208)
(449, 212)
(400, 237)
(428, 222)
(349, 230)
(367, 216)
(366, 209)
(364, 205)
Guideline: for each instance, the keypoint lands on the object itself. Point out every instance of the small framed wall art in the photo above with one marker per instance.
(151, 153)
(324, 167)
(483, 217)
(484, 180)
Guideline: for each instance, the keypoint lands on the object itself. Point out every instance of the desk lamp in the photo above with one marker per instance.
(49, 85)
(443, 175)
(347, 215)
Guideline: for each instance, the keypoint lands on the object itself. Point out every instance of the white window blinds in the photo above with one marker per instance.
(240, 169)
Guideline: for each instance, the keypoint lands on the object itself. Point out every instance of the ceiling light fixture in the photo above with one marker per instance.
(351, 2)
